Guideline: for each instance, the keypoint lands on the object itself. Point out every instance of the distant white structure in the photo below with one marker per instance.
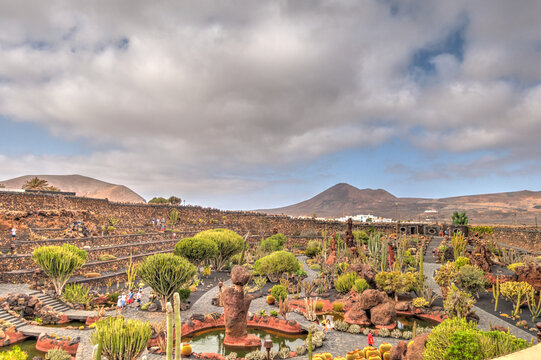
(366, 218)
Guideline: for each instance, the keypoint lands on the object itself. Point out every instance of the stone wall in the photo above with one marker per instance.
(524, 238)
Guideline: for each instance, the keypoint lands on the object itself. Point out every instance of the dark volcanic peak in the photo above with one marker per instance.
(345, 200)
(82, 186)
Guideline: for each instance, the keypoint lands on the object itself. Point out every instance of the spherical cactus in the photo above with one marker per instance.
(387, 355)
(371, 352)
(270, 300)
(385, 347)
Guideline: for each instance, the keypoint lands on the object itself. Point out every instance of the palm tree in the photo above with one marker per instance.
(36, 184)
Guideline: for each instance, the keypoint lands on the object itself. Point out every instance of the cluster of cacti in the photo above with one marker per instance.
(369, 352)
(496, 292)
(535, 308)
(119, 338)
(176, 312)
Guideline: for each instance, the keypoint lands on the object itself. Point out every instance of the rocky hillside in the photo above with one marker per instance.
(82, 186)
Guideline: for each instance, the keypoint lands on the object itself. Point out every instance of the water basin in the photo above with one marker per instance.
(28, 346)
(212, 341)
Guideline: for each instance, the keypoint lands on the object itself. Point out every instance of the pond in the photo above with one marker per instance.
(28, 345)
(74, 323)
(403, 322)
(212, 341)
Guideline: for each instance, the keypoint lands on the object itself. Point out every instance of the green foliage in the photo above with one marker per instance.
(361, 237)
(471, 278)
(482, 230)
(445, 274)
(184, 294)
(228, 242)
(196, 249)
(360, 285)
(464, 345)
(458, 302)
(165, 274)
(273, 243)
(121, 338)
(57, 354)
(396, 282)
(273, 313)
(459, 218)
(498, 343)
(15, 354)
(338, 306)
(344, 283)
(440, 338)
(459, 242)
(158, 200)
(173, 200)
(36, 183)
(279, 292)
(106, 257)
(77, 294)
(277, 263)
(59, 262)
(420, 302)
(301, 273)
(461, 261)
(513, 266)
(174, 217)
(313, 248)
(516, 292)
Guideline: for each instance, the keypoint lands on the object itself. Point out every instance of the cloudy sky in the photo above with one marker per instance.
(255, 104)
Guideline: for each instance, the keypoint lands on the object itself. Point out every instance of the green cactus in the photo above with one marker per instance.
(96, 353)
(384, 253)
(169, 351)
(496, 292)
(121, 338)
(241, 261)
(421, 268)
(414, 330)
(310, 345)
(178, 326)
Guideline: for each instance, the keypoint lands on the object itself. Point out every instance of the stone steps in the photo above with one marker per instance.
(56, 304)
(14, 320)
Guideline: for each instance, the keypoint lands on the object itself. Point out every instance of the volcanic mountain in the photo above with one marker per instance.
(521, 207)
(81, 186)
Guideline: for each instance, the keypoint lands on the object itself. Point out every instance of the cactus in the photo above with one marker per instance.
(414, 330)
(535, 309)
(421, 267)
(169, 351)
(384, 254)
(96, 352)
(178, 326)
(496, 292)
(310, 345)
(241, 261)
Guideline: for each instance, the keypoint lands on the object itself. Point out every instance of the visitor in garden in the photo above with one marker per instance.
(130, 297)
(119, 306)
(138, 298)
(370, 339)
(329, 323)
(123, 297)
(13, 233)
(163, 227)
(153, 221)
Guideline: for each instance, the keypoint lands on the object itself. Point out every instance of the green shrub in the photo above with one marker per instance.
(313, 248)
(57, 354)
(15, 354)
(445, 274)
(106, 257)
(440, 338)
(498, 343)
(471, 278)
(301, 273)
(165, 274)
(360, 285)
(461, 261)
(273, 313)
(319, 305)
(361, 237)
(59, 262)
(397, 282)
(279, 292)
(458, 302)
(77, 294)
(145, 306)
(184, 294)
(338, 306)
(228, 242)
(315, 267)
(344, 283)
(464, 345)
(277, 263)
(273, 243)
(121, 338)
(196, 249)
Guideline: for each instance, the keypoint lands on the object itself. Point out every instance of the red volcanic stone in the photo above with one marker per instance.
(383, 314)
(365, 271)
(357, 316)
(91, 320)
(211, 356)
(45, 344)
(415, 350)
(371, 298)
(531, 273)
(240, 275)
(402, 306)
(398, 352)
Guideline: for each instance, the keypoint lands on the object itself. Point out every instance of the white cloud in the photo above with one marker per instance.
(226, 91)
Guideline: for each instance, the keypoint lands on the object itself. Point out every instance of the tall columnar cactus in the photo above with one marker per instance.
(414, 330)
(310, 345)
(96, 352)
(374, 247)
(496, 292)
(244, 244)
(178, 326)
(384, 254)
(421, 268)
(169, 351)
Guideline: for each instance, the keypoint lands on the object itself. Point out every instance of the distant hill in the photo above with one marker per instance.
(82, 186)
(342, 199)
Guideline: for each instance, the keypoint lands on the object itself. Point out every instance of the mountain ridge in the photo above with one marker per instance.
(82, 186)
(344, 199)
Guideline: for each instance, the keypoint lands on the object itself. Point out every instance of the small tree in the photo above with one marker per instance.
(173, 200)
(36, 183)
(158, 200)
(174, 217)
(59, 262)
(196, 250)
(228, 242)
(165, 274)
(459, 218)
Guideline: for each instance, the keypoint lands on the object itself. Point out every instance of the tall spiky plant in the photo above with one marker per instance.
(121, 338)
(178, 326)
(374, 248)
(131, 272)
